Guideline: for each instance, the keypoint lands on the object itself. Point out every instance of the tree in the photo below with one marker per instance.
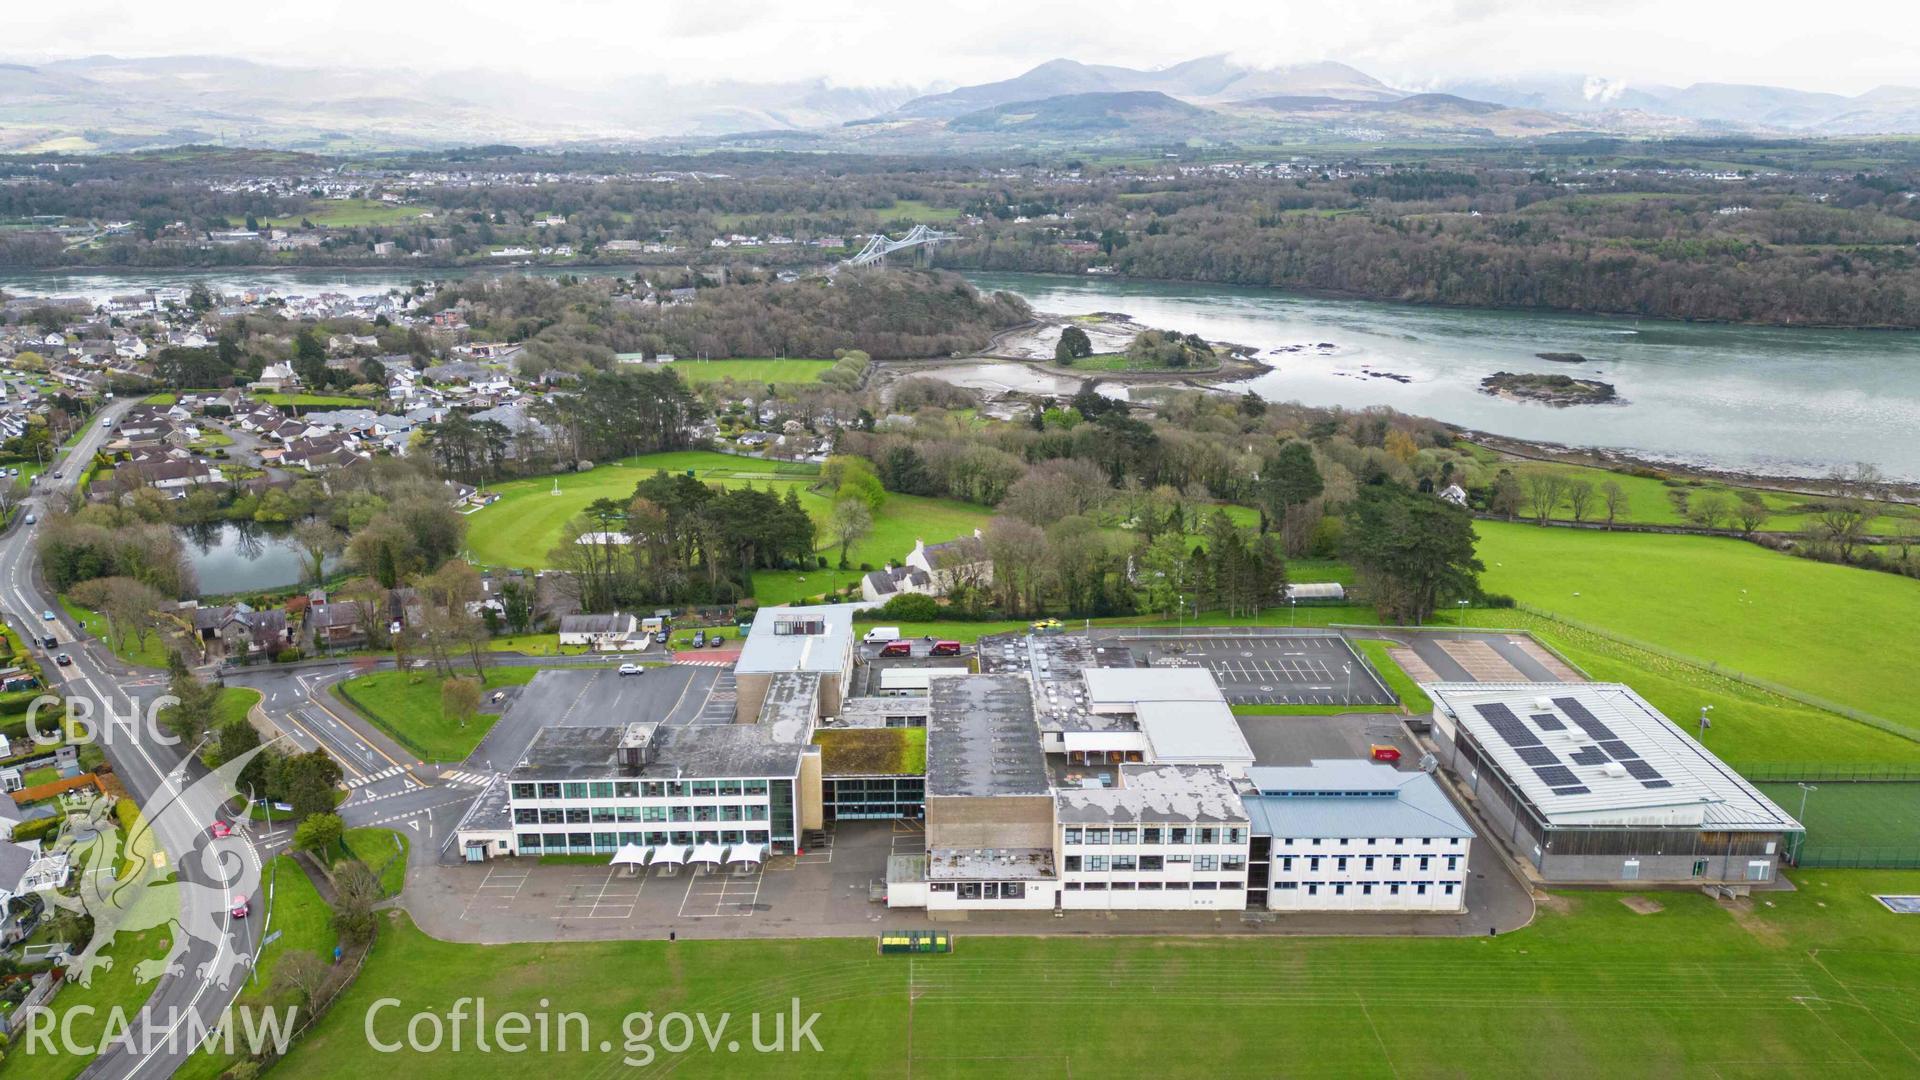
(1841, 523)
(1410, 551)
(1580, 496)
(306, 782)
(850, 522)
(1614, 498)
(1751, 512)
(1289, 479)
(356, 891)
(192, 715)
(1166, 570)
(1545, 488)
(1506, 498)
(317, 542)
(1074, 345)
(516, 598)
(1709, 509)
(319, 833)
(460, 700)
(301, 971)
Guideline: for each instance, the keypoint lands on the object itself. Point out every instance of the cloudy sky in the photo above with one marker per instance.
(1848, 46)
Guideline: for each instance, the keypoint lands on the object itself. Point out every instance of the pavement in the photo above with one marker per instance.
(142, 764)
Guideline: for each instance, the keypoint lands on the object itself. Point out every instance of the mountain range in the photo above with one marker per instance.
(111, 103)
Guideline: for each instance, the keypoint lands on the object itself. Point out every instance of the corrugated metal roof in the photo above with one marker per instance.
(1350, 798)
(1649, 773)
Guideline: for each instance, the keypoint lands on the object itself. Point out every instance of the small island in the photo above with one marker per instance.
(1563, 357)
(1557, 390)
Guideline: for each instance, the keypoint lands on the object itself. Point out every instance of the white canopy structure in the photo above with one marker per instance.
(629, 855)
(670, 855)
(745, 853)
(708, 853)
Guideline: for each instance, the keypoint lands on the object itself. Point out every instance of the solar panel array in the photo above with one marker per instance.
(1530, 748)
(1537, 755)
(1588, 722)
(1509, 726)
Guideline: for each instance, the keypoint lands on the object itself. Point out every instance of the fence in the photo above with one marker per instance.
(1867, 858)
(1790, 771)
(1711, 667)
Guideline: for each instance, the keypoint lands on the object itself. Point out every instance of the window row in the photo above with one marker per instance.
(609, 815)
(1368, 862)
(1391, 888)
(639, 789)
(1151, 886)
(1092, 863)
(1369, 841)
(1174, 834)
(982, 890)
(609, 841)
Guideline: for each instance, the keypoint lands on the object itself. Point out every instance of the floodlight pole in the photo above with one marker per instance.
(1704, 722)
(1804, 789)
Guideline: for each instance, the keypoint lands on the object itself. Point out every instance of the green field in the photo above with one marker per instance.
(1832, 631)
(384, 851)
(152, 654)
(406, 705)
(525, 523)
(751, 370)
(1876, 814)
(1805, 983)
(1397, 680)
(348, 213)
(315, 401)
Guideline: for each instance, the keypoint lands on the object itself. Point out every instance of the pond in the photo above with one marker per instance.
(242, 556)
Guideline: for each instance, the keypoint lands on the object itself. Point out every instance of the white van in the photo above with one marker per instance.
(881, 634)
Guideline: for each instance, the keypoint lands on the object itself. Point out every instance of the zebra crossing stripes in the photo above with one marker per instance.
(362, 781)
(479, 780)
(727, 663)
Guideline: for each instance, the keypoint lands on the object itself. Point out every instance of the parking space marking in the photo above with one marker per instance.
(719, 895)
(504, 890)
(610, 897)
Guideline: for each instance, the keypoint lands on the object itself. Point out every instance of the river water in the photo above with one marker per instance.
(1761, 399)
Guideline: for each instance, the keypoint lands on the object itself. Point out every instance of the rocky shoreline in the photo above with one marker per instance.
(1559, 391)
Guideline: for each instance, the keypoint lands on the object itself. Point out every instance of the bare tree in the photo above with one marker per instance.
(1544, 488)
(1841, 523)
(316, 541)
(1580, 497)
(1751, 512)
(1709, 509)
(851, 520)
(1613, 498)
(303, 972)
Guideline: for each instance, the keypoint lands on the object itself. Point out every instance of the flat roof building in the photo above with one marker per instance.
(816, 639)
(1589, 782)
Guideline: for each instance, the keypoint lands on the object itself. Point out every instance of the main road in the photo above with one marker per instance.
(120, 696)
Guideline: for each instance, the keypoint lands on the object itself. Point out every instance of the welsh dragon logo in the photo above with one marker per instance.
(194, 895)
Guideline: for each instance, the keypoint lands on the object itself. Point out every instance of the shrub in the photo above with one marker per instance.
(287, 655)
(908, 607)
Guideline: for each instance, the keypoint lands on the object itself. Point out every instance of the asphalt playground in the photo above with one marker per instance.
(1268, 668)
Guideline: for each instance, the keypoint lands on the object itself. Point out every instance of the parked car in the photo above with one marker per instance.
(881, 634)
(897, 648)
(631, 669)
(945, 648)
(63, 660)
(699, 638)
(714, 641)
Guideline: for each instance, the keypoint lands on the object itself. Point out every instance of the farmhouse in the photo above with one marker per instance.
(617, 631)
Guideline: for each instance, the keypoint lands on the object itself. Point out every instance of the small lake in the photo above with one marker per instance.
(238, 557)
(1763, 399)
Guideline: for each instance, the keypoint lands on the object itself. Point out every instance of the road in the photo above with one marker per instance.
(120, 695)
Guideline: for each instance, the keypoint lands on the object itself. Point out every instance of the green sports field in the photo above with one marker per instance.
(1877, 814)
(748, 370)
(526, 522)
(1807, 983)
(1831, 631)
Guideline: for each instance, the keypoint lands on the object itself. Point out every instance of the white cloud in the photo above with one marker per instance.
(873, 42)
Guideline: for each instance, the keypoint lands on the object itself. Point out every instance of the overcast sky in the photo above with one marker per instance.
(1848, 46)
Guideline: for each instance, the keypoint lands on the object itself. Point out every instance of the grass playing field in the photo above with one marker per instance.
(748, 370)
(1832, 631)
(1838, 814)
(348, 213)
(526, 522)
(1807, 983)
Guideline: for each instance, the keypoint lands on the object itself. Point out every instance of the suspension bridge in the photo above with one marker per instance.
(879, 245)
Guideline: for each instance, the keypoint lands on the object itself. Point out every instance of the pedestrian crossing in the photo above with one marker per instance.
(468, 779)
(704, 662)
(370, 778)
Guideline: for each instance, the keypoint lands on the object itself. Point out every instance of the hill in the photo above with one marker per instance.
(1135, 110)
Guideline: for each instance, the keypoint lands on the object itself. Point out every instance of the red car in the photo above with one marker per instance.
(220, 829)
(239, 907)
(897, 648)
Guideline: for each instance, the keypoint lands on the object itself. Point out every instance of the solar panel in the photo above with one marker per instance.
(1557, 776)
(1548, 721)
(1589, 755)
(1509, 726)
(1656, 783)
(1641, 770)
(1537, 755)
(1588, 722)
(1574, 790)
(1620, 751)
